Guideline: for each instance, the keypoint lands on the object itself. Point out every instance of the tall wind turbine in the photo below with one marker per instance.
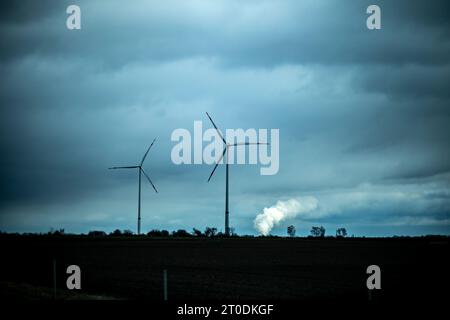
(225, 152)
(141, 170)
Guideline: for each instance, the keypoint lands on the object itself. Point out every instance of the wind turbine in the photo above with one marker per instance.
(141, 170)
(227, 145)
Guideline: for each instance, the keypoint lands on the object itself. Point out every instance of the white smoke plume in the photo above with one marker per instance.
(264, 222)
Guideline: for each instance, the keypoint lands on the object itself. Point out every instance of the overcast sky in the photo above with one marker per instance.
(363, 114)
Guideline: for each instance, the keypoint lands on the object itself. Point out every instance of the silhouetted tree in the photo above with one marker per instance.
(164, 233)
(127, 233)
(54, 232)
(181, 233)
(116, 233)
(341, 232)
(96, 233)
(210, 232)
(318, 231)
(291, 231)
(154, 233)
(197, 232)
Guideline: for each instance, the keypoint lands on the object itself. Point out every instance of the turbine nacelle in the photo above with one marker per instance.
(228, 145)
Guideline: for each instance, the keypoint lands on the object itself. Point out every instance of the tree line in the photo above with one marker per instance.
(209, 232)
(318, 232)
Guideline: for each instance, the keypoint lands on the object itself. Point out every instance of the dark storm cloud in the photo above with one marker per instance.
(353, 106)
(20, 12)
(263, 33)
(412, 81)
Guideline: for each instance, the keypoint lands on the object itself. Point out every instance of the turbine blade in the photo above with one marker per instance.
(249, 143)
(215, 167)
(218, 161)
(148, 178)
(221, 136)
(145, 155)
(130, 167)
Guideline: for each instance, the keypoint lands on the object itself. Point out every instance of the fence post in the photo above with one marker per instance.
(165, 284)
(54, 279)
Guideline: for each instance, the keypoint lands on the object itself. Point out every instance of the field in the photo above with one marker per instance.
(225, 269)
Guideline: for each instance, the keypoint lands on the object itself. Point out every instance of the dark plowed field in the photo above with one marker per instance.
(236, 268)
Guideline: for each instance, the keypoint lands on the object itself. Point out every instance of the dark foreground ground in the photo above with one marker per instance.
(225, 269)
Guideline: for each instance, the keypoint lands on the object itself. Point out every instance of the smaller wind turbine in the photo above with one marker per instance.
(141, 170)
(227, 145)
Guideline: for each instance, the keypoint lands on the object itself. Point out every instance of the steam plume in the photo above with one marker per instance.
(264, 222)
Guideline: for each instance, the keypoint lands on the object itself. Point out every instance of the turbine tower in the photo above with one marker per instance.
(140, 170)
(225, 153)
